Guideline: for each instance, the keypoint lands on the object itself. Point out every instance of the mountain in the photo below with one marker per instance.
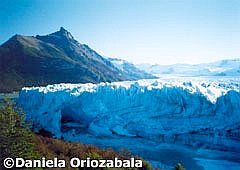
(54, 58)
(130, 69)
(218, 68)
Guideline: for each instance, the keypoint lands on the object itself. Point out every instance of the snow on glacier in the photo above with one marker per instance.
(197, 112)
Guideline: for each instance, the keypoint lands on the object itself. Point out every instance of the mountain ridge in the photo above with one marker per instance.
(53, 58)
(129, 68)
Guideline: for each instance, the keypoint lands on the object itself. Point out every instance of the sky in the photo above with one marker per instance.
(140, 31)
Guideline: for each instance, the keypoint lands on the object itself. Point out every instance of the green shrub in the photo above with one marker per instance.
(16, 138)
(179, 167)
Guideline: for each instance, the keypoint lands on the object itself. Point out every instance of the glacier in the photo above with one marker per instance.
(199, 112)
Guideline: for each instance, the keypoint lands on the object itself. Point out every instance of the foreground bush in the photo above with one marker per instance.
(66, 150)
(179, 167)
(16, 138)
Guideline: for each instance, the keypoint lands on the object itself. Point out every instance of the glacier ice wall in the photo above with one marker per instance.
(198, 113)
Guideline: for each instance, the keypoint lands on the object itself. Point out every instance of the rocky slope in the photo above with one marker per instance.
(130, 69)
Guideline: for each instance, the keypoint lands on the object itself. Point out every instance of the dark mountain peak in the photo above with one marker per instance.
(61, 38)
(63, 33)
(63, 29)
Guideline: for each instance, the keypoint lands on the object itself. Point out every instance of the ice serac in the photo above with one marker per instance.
(198, 113)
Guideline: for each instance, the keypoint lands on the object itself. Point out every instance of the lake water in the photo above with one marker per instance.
(165, 156)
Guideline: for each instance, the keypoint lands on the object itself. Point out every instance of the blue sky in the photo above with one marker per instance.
(153, 31)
